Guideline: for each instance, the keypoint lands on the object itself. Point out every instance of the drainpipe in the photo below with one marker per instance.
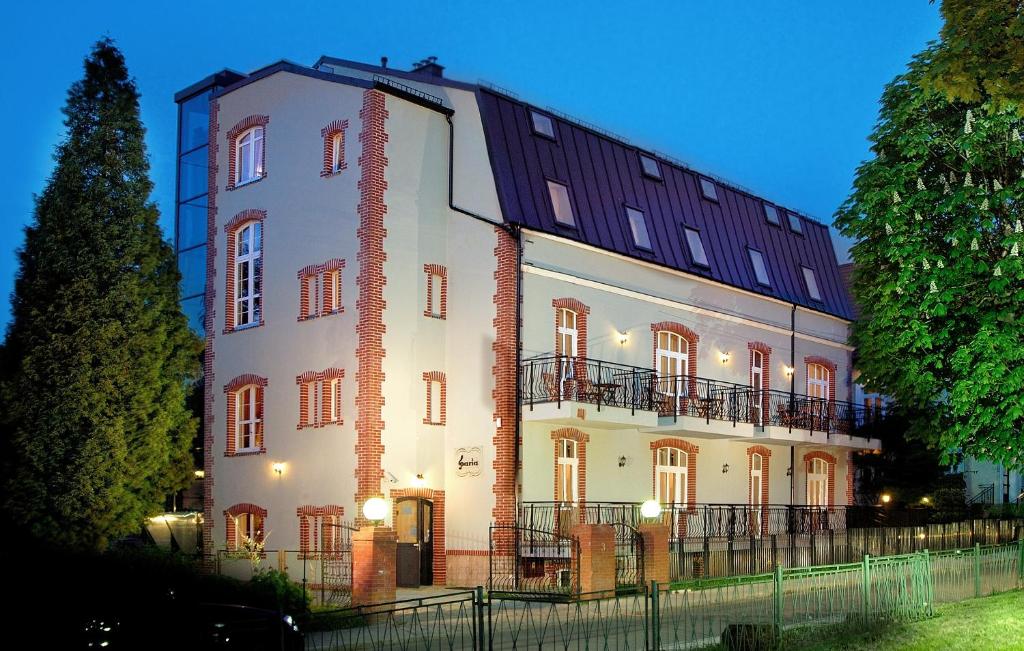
(792, 392)
(515, 232)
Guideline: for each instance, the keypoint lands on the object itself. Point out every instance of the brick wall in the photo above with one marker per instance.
(505, 349)
(208, 323)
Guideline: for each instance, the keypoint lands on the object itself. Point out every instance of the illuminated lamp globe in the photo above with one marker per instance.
(650, 509)
(375, 508)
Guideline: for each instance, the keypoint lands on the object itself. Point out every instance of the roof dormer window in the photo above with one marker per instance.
(650, 167)
(560, 203)
(542, 125)
(771, 215)
(760, 270)
(812, 283)
(638, 227)
(795, 224)
(696, 246)
(708, 189)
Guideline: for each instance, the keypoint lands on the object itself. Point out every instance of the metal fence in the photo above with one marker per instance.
(526, 561)
(739, 612)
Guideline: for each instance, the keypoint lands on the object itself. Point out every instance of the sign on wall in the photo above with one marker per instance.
(467, 462)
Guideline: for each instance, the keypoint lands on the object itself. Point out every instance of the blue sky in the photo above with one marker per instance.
(778, 97)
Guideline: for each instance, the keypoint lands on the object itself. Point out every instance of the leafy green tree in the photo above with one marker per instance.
(981, 55)
(98, 354)
(936, 216)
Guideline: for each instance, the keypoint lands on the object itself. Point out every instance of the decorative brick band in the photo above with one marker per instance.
(691, 451)
(429, 377)
(436, 497)
(505, 348)
(370, 283)
(230, 515)
(432, 270)
(328, 133)
(231, 229)
(830, 462)
(231, 390)
(241, 127)
(208, 325)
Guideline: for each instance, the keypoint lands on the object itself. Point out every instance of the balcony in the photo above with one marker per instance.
(564, 390)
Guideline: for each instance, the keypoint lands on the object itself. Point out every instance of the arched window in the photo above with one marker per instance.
(818, 381)
(756, 465)
(338, 151)
(248, 273)
(567, 471)
(672, 358)
(817, 482)
(671, 472)
(567, 341)
(244, 527)
(249, 156)
(248, 418)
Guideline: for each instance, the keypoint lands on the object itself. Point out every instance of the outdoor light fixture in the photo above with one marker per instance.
(926, 500)
(200, 474)
(622, 461)
(375, 509)
(788, 370)
(886, 498)
(419, 481)
(725, 468)
(724, 357)
(650, 509)
(789, 471)
(278, 468)
(623, 338)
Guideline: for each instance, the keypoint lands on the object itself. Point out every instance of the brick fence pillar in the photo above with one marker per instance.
(596, 558)
(655, 552)
(374, 553)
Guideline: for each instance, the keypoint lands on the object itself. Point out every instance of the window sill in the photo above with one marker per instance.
(248, 452)
(326, 174)
(428, 422)
(431, 315)
(302, 426)
(242, 328)
(247, 182)
(314, 317)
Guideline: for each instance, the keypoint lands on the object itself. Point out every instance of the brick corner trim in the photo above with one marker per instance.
(334, 148)
(241, 127)
(504, 347)
(213, 127)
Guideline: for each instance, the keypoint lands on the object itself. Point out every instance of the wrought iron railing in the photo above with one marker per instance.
(525, 561)
(558, 378)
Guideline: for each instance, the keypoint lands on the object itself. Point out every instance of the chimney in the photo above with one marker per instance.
(383, 62)
(429, 66)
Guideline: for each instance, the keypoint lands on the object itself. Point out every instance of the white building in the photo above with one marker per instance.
(433, 292)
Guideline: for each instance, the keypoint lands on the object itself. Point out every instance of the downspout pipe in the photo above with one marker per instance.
(792, 397)
(515, 232)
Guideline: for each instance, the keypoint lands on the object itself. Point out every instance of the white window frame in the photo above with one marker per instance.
(757, 382)
(817, 483)
(756, 473)
(245, 527)
(568, 333)
(337, 151)
(249, 156)
(568, 469)
(333, 388)
(819, 378)
(250, 420)
(679, 472)
(247, 287)
(335, 277)
(671, 365)
(313, 402)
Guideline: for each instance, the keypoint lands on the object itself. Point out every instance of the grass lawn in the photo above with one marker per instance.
(986, 624)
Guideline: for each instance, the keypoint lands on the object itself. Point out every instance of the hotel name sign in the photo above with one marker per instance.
(467, 462)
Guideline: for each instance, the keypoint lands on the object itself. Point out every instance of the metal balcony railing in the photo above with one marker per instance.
(558, 378)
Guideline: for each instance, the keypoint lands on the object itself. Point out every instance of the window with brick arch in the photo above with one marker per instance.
(818, 381)
(248, 418)
(338, 151)
(567, 342)
(817, 482)
(249, 156)
(756, 383)
(671, 473)
(248, 274)
(567, 471)
(248, 530)
(672, 358)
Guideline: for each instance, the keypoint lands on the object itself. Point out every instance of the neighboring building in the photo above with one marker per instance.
(434, 292)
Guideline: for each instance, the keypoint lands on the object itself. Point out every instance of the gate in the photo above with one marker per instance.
(629, 557)
(336, 564)
(531, 561)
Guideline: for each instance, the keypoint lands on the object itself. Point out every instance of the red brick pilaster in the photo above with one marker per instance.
(374, 558)
(208, 324)
(656, 556)
(327, 133)
(370, 283)
(244, 125)
(850, 477)
(596, 562)
(505, 349)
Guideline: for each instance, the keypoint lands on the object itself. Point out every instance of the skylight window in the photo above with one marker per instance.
(650, 167)
(638, 226)
(542, 125)
(708, 189)
(812, 284)
(771, 214)
(560, 203)
(760, 270)
(795, 223)
(696, 247)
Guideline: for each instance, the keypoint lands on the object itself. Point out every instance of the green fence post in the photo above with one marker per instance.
(778, 600)
(977, 570)
(655, 618)
(1020, 562)
(930, 585)
(866, 581)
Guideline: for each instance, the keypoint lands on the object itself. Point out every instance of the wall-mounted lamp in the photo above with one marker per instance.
(789, 471)
(622, 461)
(886, 498)
(200, 474)
(623, 337)
(725, 468)
(724, 357)
(278, 468)
(788, 370)
(419, 481)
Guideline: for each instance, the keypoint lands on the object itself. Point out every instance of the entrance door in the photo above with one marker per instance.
(414, 527)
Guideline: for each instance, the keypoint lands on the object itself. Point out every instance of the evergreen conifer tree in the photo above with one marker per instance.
(98, 354)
